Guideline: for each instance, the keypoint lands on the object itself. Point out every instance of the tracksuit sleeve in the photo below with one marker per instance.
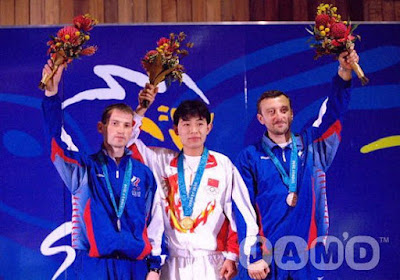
(156, 233)
(325, 134)
(246, 171)
(232, 245)
(155, 159)
(70, 164)
(245, 220)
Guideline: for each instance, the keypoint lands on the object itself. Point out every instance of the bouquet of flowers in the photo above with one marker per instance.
(163, 62)
(69, 44)
(333, 36)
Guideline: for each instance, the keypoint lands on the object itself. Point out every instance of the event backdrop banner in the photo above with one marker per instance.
(229, 67)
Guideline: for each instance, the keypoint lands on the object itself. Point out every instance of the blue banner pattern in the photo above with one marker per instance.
(229, 67)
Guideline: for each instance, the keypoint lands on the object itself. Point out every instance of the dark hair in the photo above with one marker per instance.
(118, 106)
(191, 108)
(271, 94)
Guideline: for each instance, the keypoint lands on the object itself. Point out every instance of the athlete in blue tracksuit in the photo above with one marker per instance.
(111, 194)
(283, 211)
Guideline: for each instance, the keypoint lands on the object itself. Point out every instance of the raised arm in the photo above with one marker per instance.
(155, 158)
(325, 134)
(69, 163)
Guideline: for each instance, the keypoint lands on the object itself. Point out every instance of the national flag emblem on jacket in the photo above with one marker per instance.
(213, 183)
(135, 181)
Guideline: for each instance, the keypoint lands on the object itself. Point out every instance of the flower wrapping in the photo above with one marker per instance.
(332, 36)
(163, 63)
(69, 43)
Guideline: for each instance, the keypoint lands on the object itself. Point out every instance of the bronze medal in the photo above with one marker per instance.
(291, 199)
(187, 223)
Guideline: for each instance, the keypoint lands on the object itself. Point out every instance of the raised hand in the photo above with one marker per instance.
(52, 85)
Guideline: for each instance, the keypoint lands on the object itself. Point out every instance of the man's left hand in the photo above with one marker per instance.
(148, 93)
(346, 59)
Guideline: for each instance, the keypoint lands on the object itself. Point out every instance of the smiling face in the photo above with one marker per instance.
(117, 130)
(276, 115)
(192, 132)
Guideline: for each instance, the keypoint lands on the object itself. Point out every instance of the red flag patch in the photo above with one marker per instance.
(213, 183)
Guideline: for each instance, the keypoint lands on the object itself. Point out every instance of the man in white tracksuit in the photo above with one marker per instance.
(192, 208)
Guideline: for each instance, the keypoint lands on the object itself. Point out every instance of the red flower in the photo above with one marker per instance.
(150, 54)
(339, 30)
(322, 20)
(84, 22)
(162, 41)
(336, 43)
(68, 34)
(89, 50)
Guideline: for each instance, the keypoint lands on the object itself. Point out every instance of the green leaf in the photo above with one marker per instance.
(309, 31)
(353, 27)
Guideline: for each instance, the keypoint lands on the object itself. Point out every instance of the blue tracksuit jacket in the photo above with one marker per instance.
(93, 216)
(317, 147)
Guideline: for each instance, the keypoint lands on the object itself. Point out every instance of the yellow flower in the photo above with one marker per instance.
(321, 27)
(58, 44)
(334, 9)
(327, 30)
(323, 33)
(87, 37)
(345, 22)
(67, 37)
(77, 33)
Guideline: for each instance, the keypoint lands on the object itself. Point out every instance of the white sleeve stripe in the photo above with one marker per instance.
(321, 113)
(67, 139)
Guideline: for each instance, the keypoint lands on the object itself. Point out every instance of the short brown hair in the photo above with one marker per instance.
(271, 94)
(118, 106)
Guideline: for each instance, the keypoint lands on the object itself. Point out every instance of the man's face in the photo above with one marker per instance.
(276, 115)
(193, 132)
(118, 129)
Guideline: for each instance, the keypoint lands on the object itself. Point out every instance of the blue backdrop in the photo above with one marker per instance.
(229, 67)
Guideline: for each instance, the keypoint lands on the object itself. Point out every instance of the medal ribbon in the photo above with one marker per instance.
(125, 185)
(188, 202)
(291, 180)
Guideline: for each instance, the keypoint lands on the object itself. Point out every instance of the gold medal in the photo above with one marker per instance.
(187, 223)
(291, 199)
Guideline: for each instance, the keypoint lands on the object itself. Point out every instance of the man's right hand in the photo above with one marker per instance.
(148, 93)
(52, 84)
(258, 270)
